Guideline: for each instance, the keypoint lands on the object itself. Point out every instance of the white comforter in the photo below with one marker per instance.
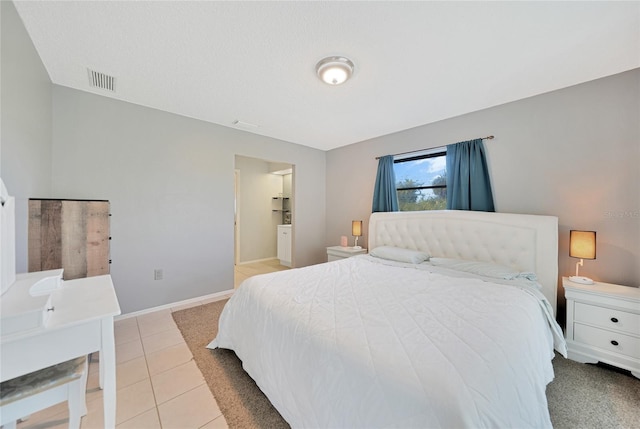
(358, 343)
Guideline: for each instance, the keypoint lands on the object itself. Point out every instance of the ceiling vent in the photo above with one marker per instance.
(102, 81)
(241, 124)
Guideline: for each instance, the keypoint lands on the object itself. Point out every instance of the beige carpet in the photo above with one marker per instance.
(241, 401)
(581, 396)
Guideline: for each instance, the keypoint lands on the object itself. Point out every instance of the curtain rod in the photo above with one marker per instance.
(420, 150)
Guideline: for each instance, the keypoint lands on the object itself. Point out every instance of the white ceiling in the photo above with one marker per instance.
(415, 62)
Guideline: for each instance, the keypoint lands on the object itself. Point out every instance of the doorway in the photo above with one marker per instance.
(263, 199)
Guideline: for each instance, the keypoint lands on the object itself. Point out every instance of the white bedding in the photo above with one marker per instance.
(360, 343)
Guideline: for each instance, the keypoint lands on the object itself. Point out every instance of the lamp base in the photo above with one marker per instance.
(357, 247)
(582, 280)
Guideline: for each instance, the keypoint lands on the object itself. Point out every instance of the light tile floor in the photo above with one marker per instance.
(158, 383)
(244, 271)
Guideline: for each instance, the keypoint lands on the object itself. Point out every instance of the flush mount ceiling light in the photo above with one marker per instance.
(334, 70)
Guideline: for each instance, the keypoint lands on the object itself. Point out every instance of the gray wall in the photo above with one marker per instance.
(25, 139)
(169, 178)
(170, 182)
(572, 153)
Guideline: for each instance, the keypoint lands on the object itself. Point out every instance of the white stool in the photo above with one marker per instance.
(38, 390)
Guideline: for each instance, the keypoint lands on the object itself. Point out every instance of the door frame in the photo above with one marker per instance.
(236, 216)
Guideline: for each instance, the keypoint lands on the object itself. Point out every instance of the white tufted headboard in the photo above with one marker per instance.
(524, 242)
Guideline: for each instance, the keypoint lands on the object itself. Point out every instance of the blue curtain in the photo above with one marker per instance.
(468, 184)
(385, 196)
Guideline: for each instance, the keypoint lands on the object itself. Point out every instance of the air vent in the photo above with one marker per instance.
(102, 81)
(241, 124)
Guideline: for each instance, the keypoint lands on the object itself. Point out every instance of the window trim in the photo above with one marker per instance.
(439, 153)
(431, 154)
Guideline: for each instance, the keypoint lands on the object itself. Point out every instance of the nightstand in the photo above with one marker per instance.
(338, 252)
(603, 324)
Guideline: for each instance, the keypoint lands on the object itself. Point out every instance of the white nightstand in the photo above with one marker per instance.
(603, 324)
(338, 252)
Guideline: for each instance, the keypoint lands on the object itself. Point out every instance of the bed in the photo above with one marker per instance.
(447, 322)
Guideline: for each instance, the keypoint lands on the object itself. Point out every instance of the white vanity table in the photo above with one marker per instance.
(45, 321)
(77, 320)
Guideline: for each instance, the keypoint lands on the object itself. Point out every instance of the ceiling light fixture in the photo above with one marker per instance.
(334, 70)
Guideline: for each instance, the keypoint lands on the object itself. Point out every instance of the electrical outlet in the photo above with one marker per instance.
(157, 274)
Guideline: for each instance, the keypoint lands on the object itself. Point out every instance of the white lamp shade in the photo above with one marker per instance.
(582, 244)
(356, 228)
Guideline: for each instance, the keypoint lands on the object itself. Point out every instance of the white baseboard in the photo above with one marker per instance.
(218, 296)
(257, 260)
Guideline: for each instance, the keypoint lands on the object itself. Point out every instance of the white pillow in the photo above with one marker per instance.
(487, 269)
(399, 254)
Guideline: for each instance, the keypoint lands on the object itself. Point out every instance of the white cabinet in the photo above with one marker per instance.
(284, 245)
(603, 324)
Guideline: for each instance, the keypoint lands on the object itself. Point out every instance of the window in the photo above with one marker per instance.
(421, 180)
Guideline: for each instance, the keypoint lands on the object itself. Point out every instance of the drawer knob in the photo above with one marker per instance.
(614, 342)
(614, 320)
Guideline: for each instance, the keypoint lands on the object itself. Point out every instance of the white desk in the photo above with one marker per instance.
(81, 323)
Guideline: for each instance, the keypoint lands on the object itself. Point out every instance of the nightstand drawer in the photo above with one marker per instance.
(611, 341)
(607, 318)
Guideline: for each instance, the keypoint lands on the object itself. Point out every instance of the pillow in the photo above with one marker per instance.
(487, 269)
(399, 254)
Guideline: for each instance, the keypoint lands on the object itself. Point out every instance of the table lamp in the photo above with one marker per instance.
(356, 231)
(582, 244)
